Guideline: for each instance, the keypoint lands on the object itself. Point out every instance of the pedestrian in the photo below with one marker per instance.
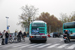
(6, 37)
(23, 36)
(67, 32)
(14, 36)
(27, 34)
(19, 36)
(3, 37)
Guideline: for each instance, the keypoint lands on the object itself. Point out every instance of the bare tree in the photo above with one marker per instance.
(73, 16)
(64, 18)
(67, 18)
(27, 15)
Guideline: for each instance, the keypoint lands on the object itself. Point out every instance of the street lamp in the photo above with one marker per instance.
(7, 23)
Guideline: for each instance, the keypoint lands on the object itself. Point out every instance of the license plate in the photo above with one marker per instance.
(37, 37)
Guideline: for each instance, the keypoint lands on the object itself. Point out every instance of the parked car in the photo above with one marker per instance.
(56, 34)
(48, 35)
(1, 35)
(51, 34)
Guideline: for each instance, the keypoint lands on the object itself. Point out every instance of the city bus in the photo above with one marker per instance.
(70, 26)
(38, 31)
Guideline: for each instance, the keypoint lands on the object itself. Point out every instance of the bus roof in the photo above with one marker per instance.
(70, 22)
(38, 21)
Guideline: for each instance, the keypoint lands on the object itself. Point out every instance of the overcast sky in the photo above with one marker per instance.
(12, 9)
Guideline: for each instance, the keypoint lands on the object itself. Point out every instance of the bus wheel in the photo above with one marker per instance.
(31, 41)
(44, 41)
(65, 41)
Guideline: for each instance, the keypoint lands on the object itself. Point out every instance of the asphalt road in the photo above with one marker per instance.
(51, 44)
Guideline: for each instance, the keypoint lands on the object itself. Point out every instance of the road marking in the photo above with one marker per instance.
(52, 46)
(43, 46)
(35, 45)
(61, 39)
(23, 45)
(0, 43)
(11, 45)
(8, 46)
(19, 45)
(26, 46)
(71, 47)
(62, 46)
(48, 45)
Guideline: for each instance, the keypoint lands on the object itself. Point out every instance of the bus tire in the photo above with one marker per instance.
(64, 41)
(31, 41)
(44, 41)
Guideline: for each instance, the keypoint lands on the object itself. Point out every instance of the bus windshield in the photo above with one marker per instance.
(38, 29)
(69, 25)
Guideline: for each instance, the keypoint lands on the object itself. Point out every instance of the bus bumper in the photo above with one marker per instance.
(72, 37)
(38, 38)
